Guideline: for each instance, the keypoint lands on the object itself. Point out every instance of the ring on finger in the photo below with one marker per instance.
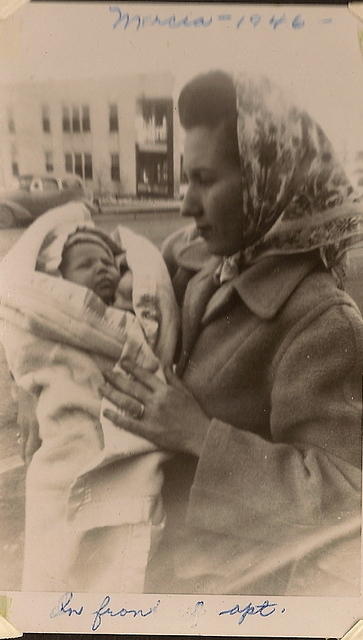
(133, 411)
(141, 411)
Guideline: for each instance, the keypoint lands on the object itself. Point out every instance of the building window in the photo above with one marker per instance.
(76, 123)
(68, 162)
(86, 120)
(76, 119)
(66, 121)
(11, 122)
(45, 119)
(49, 166)
(152, 122)
(160, 115)
(115, 167)
(113, 117)
(88, 172)
(80, 164)
(15, 168)
(152, 174)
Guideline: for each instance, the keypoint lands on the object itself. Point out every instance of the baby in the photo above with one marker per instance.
(91, 259)
(72, 289)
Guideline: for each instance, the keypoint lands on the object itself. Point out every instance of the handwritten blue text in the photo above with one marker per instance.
(105, 610)
(265, 609)
(125, 20)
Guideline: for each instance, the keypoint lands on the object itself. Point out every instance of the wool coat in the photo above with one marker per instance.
(272, 506)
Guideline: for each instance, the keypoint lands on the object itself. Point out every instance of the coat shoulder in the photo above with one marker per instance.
(319, 306)
(316, 293)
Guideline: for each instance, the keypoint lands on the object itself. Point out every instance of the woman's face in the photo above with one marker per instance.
(214, 195)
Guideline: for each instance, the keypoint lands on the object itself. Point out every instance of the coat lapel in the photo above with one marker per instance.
(218, 301)
(263, 287)
(199, 291)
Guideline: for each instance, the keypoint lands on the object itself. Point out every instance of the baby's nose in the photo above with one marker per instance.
(101, 266)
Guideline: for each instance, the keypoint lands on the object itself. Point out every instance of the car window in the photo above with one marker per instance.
(36, 185)
(72, 183)
(50, 184)
(25, 181)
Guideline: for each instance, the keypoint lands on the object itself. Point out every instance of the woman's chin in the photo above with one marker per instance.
(217, 249)
(211, 246)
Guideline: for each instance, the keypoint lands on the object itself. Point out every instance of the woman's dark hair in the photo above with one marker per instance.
(210, 100)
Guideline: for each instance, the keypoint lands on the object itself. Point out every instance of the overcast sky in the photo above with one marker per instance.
(319, 62)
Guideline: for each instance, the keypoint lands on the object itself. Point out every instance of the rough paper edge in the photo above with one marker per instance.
(8, 7)
(6, 629)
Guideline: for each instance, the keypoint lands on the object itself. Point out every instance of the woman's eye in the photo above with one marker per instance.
(205, 179)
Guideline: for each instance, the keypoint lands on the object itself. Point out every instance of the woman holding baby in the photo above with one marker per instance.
(263, 410)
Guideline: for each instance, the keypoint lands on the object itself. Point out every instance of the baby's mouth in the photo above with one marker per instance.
(105, 289)
(105, 284)
(104, 280)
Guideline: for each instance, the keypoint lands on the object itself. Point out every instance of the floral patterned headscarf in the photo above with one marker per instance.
(296, 196)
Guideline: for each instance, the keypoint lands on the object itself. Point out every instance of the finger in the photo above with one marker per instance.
(128, 363)
(122, 401)
(172, 378)
(125, 422)
(147, 378)
(128, 386)
(31, 446)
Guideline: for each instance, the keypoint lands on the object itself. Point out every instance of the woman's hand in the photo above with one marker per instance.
(166, 414)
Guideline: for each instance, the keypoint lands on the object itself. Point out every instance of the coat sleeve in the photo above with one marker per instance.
(309, 474)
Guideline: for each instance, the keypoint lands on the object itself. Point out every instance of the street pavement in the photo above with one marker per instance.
(156, 226)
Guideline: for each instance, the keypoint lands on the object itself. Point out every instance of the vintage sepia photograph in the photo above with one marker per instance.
(181, 249)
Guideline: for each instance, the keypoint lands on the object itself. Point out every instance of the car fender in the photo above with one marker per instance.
(20, 213)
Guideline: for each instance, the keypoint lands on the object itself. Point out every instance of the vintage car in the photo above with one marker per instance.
(32, 195)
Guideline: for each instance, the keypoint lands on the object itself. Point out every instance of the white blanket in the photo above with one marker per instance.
(93, 505)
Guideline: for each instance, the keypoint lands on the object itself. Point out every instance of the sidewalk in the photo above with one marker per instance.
(149, 205)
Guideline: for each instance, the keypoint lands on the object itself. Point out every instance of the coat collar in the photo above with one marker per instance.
(266, 285)
(263, 287)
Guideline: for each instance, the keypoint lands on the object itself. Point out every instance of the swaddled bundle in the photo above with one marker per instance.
(93, 505)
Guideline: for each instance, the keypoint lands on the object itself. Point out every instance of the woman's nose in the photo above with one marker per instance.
(191, 205)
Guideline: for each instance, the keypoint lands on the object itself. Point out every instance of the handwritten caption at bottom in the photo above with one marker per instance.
(67, 605)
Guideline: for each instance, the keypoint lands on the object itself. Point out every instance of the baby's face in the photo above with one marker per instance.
(92, 266)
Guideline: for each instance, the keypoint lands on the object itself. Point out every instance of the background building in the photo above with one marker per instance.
(118, 134)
